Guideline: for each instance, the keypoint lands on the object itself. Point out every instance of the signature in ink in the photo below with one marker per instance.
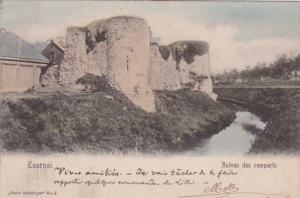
(219, 190)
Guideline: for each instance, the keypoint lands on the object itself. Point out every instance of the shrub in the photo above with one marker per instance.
(94, 83)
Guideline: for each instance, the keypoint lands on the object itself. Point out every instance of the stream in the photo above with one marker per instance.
(236, 139)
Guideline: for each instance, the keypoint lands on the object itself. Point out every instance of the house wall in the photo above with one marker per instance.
(18, 75)
(59, 55)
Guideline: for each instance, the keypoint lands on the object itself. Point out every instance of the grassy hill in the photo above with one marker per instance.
(106, 121)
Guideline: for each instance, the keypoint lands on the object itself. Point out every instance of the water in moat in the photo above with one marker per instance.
(236, 139)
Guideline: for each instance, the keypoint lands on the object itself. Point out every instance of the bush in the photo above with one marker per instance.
(94, 83)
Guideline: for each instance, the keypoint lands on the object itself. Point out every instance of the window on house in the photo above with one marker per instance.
(52, 56)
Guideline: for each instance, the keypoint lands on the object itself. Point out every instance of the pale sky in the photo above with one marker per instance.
(239, 34)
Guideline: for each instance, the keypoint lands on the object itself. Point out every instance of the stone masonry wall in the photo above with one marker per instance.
(183, 64)
(75, 60)
(164, 75)
(96, 47)
(128, 59)
(120, 48)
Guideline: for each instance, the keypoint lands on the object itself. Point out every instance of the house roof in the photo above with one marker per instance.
(55, 43)
(14, 47)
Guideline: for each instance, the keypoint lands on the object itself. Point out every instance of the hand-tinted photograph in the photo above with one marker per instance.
(176, 78)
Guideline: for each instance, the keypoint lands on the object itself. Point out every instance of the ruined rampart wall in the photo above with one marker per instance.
(128, 59)
(75, 61)
(96, 47)
(183, 64)
(164, 75)
(118, 47)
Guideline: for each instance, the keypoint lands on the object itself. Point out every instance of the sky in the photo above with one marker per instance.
(240, 34)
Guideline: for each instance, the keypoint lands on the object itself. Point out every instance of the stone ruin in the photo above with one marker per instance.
(182, 64)
(121, 48)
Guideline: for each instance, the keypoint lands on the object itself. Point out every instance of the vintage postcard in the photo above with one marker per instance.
(154, 99)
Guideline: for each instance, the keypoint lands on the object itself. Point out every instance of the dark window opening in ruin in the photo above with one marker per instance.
(178, 56)
(164, 52)
(101, 36)
(127, 63)
(136, 90)
(177, 67)
(190, 53)
(117, 38)
(89, 41)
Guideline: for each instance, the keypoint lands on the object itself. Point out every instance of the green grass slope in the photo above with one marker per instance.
(106, 121)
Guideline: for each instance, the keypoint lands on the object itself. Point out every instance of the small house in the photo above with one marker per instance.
(54, 52)
(20, 63)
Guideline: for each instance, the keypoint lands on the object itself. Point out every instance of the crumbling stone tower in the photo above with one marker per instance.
(118, 47)
(128, 59)
(121, 48)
